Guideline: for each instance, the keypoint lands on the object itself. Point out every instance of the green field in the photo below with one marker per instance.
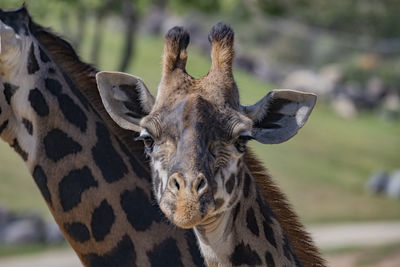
(323, 169)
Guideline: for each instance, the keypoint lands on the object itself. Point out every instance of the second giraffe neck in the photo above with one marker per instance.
(247, 234)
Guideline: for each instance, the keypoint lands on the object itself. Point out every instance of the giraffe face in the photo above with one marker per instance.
(196, 148)
(195, 130)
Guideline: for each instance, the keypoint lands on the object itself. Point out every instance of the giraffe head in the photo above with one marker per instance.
(195, 131)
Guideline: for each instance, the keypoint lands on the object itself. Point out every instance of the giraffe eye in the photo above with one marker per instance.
(241, 142)
(147, 141)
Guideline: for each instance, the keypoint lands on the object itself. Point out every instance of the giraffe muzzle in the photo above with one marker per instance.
(189, 200)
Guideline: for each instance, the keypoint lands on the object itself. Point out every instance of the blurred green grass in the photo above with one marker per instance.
(322, 170)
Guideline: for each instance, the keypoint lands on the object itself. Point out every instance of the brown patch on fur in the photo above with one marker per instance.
(218, 203)
(300, 240)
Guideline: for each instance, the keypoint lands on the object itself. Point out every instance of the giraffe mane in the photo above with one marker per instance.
(83, 77)
(301, 241)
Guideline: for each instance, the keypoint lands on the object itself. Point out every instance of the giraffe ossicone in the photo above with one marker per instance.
(195, 133)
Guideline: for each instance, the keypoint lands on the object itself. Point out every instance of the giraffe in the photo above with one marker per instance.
(92, 174)
(195, 133)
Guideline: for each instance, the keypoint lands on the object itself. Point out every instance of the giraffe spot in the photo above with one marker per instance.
(58, 144)
(244, 255)
(77, 231)
(287, 250)
(72, 112)
(269, 260)
(236, 212)
(51, 70)
(193, 248)
(252, 222)
(230, 183)
(246, 186)
(41, 181)
(139, 210)
(240, 177)
(19, 150)
(38, 102)
(53, 86)
(108, 160)
(73, 185)
(32, 62)
(28, 126)
(123, 255)
(9, 91)
(218, 203)
(76, 92)
(265, 210)
(3, 126)
(43, 56)
(137, 166)
(102, 220)
(165, 254)
(269, 234)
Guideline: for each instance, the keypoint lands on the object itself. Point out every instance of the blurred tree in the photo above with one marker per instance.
(79, 15)
(375, 18)
(100, 9)
(130, 18)
(203, 5)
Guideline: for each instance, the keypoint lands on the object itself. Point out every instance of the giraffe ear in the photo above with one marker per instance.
(279, 115)
(125, 97)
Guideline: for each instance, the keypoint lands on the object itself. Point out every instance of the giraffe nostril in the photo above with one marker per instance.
(201, 184)
(176, 184)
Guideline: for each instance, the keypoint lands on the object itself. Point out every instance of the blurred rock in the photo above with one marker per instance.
(330, 76)
(27, 229)
(344, 107)
(53, 234)
(391, 107)
(375, 88)
(245, 63)
(266, 72)
(24, 231)
(304, 80)
(393, 187)
(4, 217)
(321, 83)
(378, 182)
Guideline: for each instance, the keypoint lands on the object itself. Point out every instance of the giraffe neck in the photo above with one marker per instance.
(247, 234)
(98, 191)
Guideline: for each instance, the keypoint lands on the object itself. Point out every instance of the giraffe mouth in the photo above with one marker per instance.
(186, 212)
